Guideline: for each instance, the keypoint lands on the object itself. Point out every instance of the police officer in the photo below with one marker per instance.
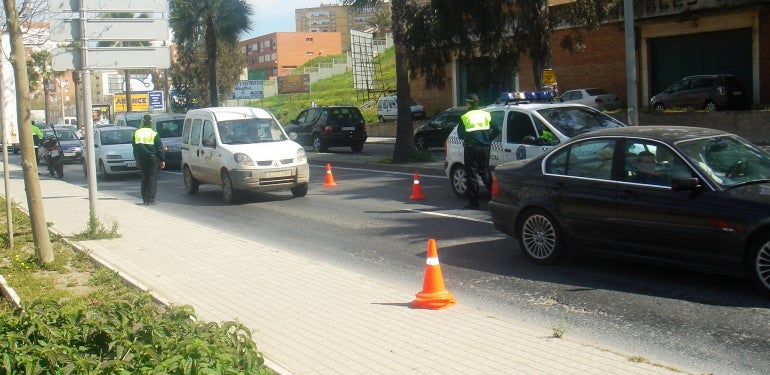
(477, 134)
(148, 153)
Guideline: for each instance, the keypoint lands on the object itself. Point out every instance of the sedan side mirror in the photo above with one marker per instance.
(685, 184)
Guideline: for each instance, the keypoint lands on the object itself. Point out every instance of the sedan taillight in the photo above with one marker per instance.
(328, 129)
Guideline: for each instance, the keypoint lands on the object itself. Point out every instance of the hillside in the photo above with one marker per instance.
(337, 90)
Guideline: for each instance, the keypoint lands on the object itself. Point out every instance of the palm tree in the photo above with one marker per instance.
(381, 21)
(211, 21)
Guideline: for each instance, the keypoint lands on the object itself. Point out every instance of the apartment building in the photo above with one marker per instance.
(327, 18)
(278, 54)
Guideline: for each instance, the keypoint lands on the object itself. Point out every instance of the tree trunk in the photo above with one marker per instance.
(540, 50)
(211, 62)
(404, 130)
(28, 157)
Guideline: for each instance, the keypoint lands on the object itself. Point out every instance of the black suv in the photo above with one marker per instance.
(324, 127)
(710, 92)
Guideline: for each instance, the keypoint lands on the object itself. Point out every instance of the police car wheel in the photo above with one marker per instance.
(457, 179)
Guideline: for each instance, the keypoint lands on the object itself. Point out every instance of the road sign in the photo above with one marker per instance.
(140, 29)
(133, 6)
(112, 58)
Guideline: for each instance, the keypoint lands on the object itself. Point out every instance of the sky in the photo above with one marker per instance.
(277, 15)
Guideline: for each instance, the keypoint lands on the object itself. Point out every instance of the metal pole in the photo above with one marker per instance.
(631, 87)
(90, 158)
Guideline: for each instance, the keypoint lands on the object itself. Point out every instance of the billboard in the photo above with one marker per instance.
(140, 101)
(294, 84)
(252, 89)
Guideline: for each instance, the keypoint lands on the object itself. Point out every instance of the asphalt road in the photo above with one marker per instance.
(709, 323)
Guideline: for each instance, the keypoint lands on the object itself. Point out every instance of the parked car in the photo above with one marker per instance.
(74, 129)
(710, 92)
(387, 108)
(113, 151)
(241, 149)
(708, 209)
(527, 129)
(592, 97)
(333, 126)
(169, 128)
(132, 119)
(71, 146)
(435, 132)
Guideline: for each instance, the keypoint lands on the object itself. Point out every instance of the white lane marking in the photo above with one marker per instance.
(449, 216)
(381, 171)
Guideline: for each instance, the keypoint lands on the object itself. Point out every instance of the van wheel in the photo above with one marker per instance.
(357, 147)
(318, 144)
(710, 105)
(457, 178)
(382, 119)
(103, 175)
(229, 194)
(299, 191)
(191, 185)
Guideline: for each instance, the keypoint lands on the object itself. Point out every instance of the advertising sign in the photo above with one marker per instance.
(294, 84)
(140, 101)
(252, 89)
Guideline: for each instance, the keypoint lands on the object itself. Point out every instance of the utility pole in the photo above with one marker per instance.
(631, 86)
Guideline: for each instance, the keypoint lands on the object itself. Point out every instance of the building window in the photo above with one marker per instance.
(308, 39)
(310, 53)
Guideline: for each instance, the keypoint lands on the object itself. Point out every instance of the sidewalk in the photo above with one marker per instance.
(309, 317)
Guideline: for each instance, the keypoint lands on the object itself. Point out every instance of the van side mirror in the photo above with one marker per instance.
(529, 140)
(209, 142)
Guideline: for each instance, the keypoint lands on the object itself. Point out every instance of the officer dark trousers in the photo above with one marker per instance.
(476, 159)
(150, 170)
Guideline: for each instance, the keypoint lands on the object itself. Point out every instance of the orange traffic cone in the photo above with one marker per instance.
(433, 295)
(416, 188)
(329, 177)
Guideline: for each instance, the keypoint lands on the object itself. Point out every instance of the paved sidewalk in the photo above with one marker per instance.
(310, 317)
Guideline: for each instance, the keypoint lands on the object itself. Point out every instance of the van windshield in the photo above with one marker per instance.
(250, 130)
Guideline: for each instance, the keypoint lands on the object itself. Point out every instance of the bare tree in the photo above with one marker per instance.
(28, 158)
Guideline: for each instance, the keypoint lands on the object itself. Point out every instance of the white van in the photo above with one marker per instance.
(387, 109)
(241, 149)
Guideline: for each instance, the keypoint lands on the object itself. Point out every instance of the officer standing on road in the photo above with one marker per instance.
(149, 156)
(477, 134)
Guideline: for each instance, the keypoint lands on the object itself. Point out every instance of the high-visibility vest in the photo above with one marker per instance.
(145, 136)
(475, 120)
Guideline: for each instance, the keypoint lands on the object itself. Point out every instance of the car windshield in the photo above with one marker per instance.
(572, 121)
(117, 136)
(250, 130)
(62, 134)
(595, 92)
(169, 128)
(728, 160)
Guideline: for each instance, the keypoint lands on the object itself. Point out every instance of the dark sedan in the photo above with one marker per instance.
(435, 132)
(683, 196)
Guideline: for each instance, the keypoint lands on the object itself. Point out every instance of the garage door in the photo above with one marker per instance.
(719, 52)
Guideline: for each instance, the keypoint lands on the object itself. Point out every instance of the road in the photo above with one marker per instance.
(710, 323)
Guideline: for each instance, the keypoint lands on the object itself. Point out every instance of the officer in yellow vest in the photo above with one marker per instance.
(149, 156)
(477, 134)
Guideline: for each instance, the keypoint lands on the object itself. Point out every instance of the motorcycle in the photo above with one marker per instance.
(53, 156)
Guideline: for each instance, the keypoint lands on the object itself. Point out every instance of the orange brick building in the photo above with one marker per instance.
(279, 53)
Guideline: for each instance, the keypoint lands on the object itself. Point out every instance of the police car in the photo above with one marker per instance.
(527, 128)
